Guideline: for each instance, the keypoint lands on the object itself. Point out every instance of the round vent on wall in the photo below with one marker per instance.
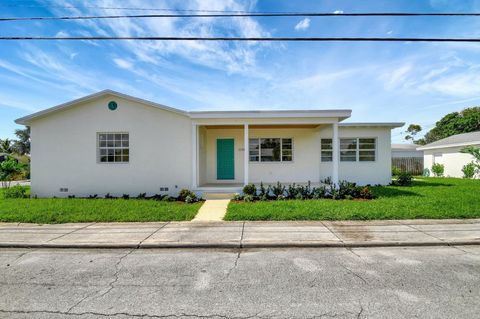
(112, 105)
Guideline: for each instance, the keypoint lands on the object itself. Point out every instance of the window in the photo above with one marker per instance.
(366, 152)
(326, 150)
(351, 149)
(113, 148)
(271, 149)
(348, 149)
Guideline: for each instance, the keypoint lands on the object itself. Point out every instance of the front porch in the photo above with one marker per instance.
(230, 156)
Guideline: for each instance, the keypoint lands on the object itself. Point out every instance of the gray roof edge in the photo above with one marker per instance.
(373, 124)
(454, 140)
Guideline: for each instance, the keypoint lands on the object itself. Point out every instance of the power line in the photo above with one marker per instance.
(117, 8)
(316, 39)
(254, 14)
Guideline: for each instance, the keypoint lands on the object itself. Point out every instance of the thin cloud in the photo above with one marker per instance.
(303, 25)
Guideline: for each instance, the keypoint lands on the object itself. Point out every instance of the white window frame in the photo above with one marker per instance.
(357, 149)
(260, 150)
(112, 147)
(326, 150)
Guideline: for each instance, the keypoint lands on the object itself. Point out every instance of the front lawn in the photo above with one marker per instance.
(76, 210)
(427, 198)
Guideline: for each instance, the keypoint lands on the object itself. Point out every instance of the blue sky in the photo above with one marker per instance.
(407, 82)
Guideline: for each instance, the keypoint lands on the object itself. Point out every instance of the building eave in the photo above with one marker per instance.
(341, 114)
(373, 124)
(433, 147)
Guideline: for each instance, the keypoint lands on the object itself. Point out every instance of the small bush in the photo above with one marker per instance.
(438, 169)
(248, 198)
(263, 192)
(250, 190)
(184, 193)
(366, 193)
(469, 170)
(15, 192)
(278, 190)
(191, 199)
(237, 197)
(168, 199)
(396, 171)
(404, 179)
(319, 192)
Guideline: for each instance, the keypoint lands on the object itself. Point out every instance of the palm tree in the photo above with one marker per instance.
(6, 146)
(22, 145)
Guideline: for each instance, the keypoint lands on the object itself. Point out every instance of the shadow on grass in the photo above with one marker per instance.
(420, 183)
(393, 192)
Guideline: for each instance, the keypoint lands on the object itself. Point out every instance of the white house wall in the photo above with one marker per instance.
(378, 172)
(306, 165)
(451, 158)
(64, 150)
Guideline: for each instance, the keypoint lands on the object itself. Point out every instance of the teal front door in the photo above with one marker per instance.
(225, 159)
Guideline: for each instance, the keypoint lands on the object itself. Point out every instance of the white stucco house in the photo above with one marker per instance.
(110, 142)
(447, 152)
(406, 151)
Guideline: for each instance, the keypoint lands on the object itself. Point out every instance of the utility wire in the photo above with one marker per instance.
(320, 39)
(252, 14)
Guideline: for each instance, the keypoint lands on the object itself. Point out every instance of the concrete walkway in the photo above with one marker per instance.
(243, 234)
(212, 210)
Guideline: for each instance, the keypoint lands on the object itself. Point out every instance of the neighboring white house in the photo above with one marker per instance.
(447, 152)
(406, 151)
(110, 142)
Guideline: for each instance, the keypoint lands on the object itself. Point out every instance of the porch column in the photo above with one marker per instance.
(335, 154)
(194, 155)
(246, 154)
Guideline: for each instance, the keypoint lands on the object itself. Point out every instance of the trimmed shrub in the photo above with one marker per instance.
(366, 193)
(263, 192)
(184, 193)
(438, 169)
(15, 192)
(278, 190)
(191, 199)
(404, 179)
(396, 171)
(237, 197)
(248, 198)
(469, 170)
(250, 190)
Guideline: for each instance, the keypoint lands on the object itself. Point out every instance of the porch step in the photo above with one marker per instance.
(208, 195)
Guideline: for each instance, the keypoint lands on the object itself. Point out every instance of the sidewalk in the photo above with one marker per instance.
(243, 234)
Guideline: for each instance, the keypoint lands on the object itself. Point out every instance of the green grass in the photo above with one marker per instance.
(75, 210)
(427, 198)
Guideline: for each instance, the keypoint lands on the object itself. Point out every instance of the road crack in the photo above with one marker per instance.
(133, 315)
(355, 274)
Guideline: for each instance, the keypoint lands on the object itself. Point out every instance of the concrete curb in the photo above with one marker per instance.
(238, 246)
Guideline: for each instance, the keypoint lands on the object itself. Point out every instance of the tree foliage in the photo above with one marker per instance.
(6, 146)
(412, 131)
(475, 152)
(21, 146)
(8, 170)
(465, 121)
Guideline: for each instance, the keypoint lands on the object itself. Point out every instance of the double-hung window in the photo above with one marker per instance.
(271, 150)
(351, 149)
(113, 148)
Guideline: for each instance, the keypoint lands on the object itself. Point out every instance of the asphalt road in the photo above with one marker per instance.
(435, 282)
